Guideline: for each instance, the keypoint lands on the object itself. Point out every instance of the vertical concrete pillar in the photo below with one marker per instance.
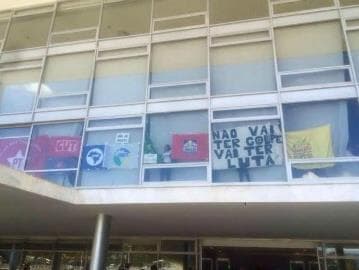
(100, 242)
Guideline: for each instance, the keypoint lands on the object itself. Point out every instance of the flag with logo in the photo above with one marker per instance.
(123, 156)
(12, 152)
(310, 143)
(93, 157)
(190, 147)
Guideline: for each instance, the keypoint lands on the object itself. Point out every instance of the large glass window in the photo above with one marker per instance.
(13, 145)
(191, 65)
(233, 68)
(112, 156)
(318, 46)
(172, 140)
(293, 6)
(234, 10)
(321, 133)
(170, 14)
(349, 2)
(66, 80)
(247, 150)
(125, 18)
(54, 152)
(18, 89)
(120, 81)
(28, 32)
(75, 23)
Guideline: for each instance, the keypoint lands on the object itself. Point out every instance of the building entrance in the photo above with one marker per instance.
(236, 258)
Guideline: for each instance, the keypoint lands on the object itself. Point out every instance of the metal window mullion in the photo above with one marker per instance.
(88, 97)
(209, 176)
(147, 97)
(7, 30)
(44, 60)
(279, 97)
(348, 48)
(26, 155)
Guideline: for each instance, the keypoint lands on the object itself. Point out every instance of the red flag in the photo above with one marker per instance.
(190, 147)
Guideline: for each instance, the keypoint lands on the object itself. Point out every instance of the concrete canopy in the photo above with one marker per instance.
(31, 207)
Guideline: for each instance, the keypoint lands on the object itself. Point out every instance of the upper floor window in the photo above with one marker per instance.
(66, 80)
(169, 14)
(120, 77)
(18, 89)
(312, 54)
(125, 18)
(234, 10)
(299, 5)
(247, 145)
(237, 60)
(75, 21)
(54, 152)
(349, 2)
(28, 31)
(322, 138)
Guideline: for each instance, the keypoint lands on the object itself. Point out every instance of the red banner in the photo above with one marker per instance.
(190, 147)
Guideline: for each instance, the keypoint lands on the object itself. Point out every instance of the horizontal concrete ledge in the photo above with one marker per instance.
(257, 193)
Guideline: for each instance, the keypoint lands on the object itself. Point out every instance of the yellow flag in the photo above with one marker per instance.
(310, 143)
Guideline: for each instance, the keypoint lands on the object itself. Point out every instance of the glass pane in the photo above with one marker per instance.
(142, 261)
(116, 261)
(55, 146)
(300, 5)
(68, 37)
(342, 264)
(176, 262)
(180, 22)
(126, 18)
(3, 26)
(140, 245)
(168, 8)
(232, 69)
(177, 245)
(178, 91)
(14, 132)
(62, 101)
(322, 77)
(312, 171)
(177, 137)
(115, 122)
(349, 2)
(120, 81)
(353, 37)
(176, 174)
(322, 129)
(64, 75)
(5, 259)
(192, 65)
(310, 46)
(248, 151)
(245, 113)
(73, 261)
(111, 158)
(28, 32)
(62, 178)
(234, 10)
(18, 87)
(38, 260)
(76, 18)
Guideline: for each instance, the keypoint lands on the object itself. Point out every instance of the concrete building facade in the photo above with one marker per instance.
(179, 134)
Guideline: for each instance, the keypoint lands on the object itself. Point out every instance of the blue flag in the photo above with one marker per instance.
(93, 157)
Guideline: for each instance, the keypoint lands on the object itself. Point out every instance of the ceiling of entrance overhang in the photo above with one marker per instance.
(30, 215)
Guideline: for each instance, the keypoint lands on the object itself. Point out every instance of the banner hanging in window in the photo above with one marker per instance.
(247, 147)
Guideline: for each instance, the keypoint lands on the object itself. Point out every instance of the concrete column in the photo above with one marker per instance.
(100, 242)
